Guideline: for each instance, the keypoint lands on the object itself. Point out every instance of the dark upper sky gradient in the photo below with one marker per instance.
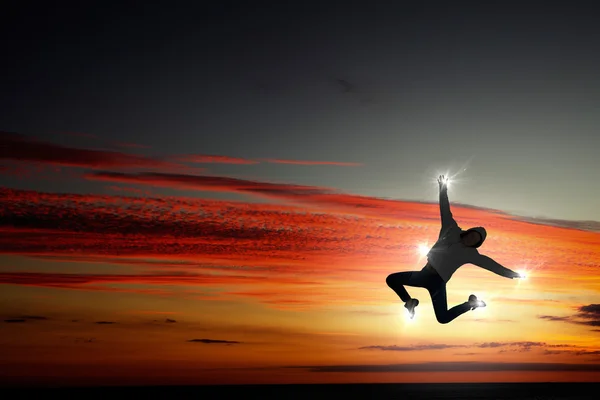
(408, 89)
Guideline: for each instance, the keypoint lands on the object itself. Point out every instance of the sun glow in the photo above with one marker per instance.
(522, 274)
(423, 250)
(408, 318)
(447, 181)
(451, 179)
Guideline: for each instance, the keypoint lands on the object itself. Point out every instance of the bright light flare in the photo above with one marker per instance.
(423, 250)
(522, 274)
(447, 181)
(452, 178)
(485, 297)
(408, 317)
(528, 269)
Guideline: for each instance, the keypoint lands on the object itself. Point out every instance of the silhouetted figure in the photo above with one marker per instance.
(453, 249)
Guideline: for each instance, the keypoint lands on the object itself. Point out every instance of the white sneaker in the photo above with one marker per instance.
(410, 306)
(474, 302)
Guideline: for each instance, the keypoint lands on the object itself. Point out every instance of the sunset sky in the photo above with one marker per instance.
(216, 195)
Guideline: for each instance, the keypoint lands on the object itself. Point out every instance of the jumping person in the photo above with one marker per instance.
(453, 249)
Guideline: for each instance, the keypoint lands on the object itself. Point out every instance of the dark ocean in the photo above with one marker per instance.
(521, 391)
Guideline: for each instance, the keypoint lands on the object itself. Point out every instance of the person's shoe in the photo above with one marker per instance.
(410, 306)
(474, 302)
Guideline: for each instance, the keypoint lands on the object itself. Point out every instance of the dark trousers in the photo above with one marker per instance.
(429, 279)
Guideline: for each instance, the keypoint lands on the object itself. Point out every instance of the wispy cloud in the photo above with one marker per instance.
(502, 346)
(464, 366)
(22, 148)
(585, 315)
(573, 352)
(135, 226)
(80, 280)
(307, 162)
(213, 341)
(280, 191)
(28, 148)
(19, 147)
(222, 159)
(124, 189)
(216, 159)
(328, 234)
(593, 226)
(526, 346)
(423, 347)
(34, 317)
(590, 314)
(203, 242)
(325, 199)
(25, 318)
(156, 228)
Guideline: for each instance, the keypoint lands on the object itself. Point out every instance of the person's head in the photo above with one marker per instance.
(473, 237)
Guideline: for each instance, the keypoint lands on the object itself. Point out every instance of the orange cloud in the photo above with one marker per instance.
(73, 280)
(230, 233)
(358, 239)
(453, 367)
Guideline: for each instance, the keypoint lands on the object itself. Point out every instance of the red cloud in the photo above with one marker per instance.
(204, 158)
(129, 189)
(285, 239)
(333, 201)
(18, 147)
(207, 182)
(325, 199)
(201, 159)
(361, 240)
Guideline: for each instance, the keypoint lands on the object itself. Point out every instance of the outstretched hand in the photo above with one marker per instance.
(442, 181)
(513, 275)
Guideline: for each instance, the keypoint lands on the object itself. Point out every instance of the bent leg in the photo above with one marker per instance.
(440, 305)
(398, 280)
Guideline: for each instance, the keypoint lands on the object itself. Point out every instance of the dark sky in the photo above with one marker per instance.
(409, 89)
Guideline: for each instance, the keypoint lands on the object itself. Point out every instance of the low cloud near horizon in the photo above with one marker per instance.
(213, 341)
(586, 315)
(452, 366)
(501, 347)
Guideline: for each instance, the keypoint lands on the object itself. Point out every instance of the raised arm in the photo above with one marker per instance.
(447, 219)
(486, 262)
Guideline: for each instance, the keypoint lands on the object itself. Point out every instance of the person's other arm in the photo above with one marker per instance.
(488, 263)
(446, 215)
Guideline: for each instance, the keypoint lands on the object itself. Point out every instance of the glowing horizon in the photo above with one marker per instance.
(295, 281)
